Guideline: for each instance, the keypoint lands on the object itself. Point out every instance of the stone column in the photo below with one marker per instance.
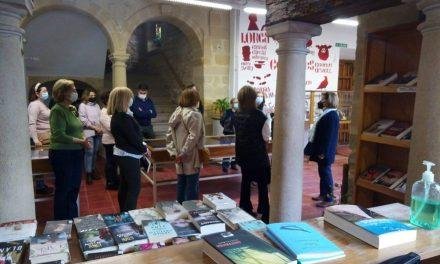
(119, 68)
(16, 185)
(425, 141)
(288, 144)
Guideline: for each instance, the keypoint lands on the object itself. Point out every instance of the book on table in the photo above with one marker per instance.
(390, 179)
(185, 228)
(239, 246)
(193, 205)
(171, 210)
(368, 226)
(219, 201)
(183, 240)
(256, 228)
(158, 231)
(232, 217)
(12, 252)
(206, 222)
(54, 227)
(145, 214)
(379, 127)
(300, 240)
(51, 247)
(374, 172)
(128, 236)
(397, 130)
(396, 211)
(117, 219)
(97, 243)
(89, 222)
(18, 230)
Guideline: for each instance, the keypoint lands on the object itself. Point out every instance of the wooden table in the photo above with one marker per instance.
(219, 147)
(356, 251)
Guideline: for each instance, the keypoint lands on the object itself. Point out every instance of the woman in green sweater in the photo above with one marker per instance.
(66, 153)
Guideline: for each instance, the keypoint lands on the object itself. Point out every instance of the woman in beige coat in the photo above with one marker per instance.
(185, 138)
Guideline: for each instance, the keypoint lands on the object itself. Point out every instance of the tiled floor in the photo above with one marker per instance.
(95, 199)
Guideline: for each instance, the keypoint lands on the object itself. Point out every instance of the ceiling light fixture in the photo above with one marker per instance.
(203, 3)
(255, 10)
(346, 22)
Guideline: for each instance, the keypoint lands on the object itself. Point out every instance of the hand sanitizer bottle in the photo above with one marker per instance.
(425, 200)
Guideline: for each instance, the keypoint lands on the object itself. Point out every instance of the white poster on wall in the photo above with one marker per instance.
(257, 57)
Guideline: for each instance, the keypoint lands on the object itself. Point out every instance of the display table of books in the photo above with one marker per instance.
(219, 147)
(215, 230)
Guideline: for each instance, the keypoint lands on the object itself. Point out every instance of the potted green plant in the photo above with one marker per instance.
(220, 106)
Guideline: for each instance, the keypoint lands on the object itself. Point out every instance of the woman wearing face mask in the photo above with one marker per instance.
(67, 146)
(129, 146)
(90, 113)
(323, 139)
(261, 103)
(39, 127)
(227, 121)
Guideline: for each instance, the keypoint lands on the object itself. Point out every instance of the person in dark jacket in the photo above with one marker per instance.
(143, 111)
(252, 131)
(322, 145)
(129, 146)
(227, 122)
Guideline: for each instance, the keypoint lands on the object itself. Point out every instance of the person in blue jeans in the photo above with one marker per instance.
(322, 145)
(143, 111)
(227, 122)
(185, 138)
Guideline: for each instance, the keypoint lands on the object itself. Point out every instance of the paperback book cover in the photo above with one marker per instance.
(303, 242)
(171, 210)
(398, 130)
(148, 246)
(232, 217)
(390, 179)
(252, 226)
(89, 222)
(219, 201)
(11, 252)
(50, 247)
(184, 228)
(193, 205)
(401, 187)
(207, 222)
(19, 230)
(374, 172)
(126, 233)
(117, 219)
(379, 127)
(54, 227)
(96, 241)
(145, 214)
(183, 240)
(159, 230)
(240, 246)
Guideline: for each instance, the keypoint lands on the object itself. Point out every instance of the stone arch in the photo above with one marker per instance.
(103, 19)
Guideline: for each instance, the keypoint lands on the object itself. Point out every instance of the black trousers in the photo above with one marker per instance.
(248, 175)
(130, 183)
(111, 167)
(67, 166)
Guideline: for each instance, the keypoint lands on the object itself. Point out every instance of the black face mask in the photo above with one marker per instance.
(320, 105)
(92, 99)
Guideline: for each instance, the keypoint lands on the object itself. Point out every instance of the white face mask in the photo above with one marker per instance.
(235, 105)
(142, 96)
(259, 100)
(44, 95)
(73, 97)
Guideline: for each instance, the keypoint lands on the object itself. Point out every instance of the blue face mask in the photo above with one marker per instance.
(44, 96)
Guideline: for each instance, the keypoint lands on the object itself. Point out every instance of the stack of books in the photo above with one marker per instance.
(232, 217)
(19, 230)
(55, 227)
(171, 210)
(390, 129)
(385, 176)
(47, 248)
(139, 215)
(206, 222)
(219, 201)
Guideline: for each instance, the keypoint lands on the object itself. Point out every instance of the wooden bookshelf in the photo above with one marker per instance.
(392, 50)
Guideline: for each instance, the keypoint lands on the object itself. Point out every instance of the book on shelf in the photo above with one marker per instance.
(145, 214)
(158, 230)
(127, 236)
(171, 210)
(12, 252)
(383, 79)
(97, 243)
(117, 219)
(407, 136)
(395, 211)
(368, 226)
(185, 228)
(300, 240)
(240, 246)
(379, 127)
(390, 179)
(219, 201)
(89, 222)
(406, 89)
(183, 240)
(54, 227)
(401, 187)
(206, 222)
(232, 217)
(407, 79)
(18, 230)
(374, 172)
(193, 205)
(398, 130)
(51, 247)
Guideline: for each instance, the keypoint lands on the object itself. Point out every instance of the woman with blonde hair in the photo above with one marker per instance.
(129, 146)
(185, 138)
(67, 146)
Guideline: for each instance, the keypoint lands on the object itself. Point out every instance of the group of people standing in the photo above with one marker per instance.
(123, 123)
